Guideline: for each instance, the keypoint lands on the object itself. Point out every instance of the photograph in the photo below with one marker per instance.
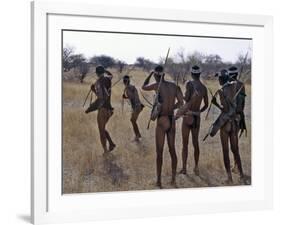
(151, 111)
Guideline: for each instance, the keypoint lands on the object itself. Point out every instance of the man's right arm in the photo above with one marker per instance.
(179, 98)
(93, 88)
(149, 87)
(214, 101)
(124, 95)
(130, 92)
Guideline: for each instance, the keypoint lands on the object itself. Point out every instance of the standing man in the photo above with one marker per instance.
(131, 93)
(240, 102)
(167, 93)
(196, 93)
(228, 122)
(102, 89)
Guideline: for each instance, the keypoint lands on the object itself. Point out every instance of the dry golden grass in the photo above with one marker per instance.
(131, 166)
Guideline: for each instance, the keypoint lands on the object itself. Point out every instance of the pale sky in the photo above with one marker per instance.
(128, 47)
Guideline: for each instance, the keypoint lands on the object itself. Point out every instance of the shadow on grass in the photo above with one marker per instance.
(115, 172)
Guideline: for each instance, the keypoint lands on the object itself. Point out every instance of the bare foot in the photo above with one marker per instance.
(159, 185)
(196, 171)
(111, 147)
(137, 139)
(174, 184)
(245, 180)
(229, 181)
(183, 171)
(105, 153)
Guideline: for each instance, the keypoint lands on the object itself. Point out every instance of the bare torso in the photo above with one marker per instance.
(167, 97)
(102, 89)
(132, 94)
(195, 92)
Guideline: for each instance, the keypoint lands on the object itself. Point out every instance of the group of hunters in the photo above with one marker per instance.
(168, 98)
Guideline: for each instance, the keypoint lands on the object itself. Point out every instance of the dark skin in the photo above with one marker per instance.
(102, 89)
(196, 93)
(240, 108)
(229, 132)
(165, 126)
(131, 93)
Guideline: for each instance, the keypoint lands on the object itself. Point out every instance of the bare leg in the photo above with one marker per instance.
(185, 139)
(195, 136)
(171, 144)
(111, 143)
(235, 167)
(235, 150)
(160, 139)
(103, 117)
(134, 118)
(102, 120)
(225, 150)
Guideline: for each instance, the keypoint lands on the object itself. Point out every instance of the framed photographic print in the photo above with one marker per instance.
(143, 116)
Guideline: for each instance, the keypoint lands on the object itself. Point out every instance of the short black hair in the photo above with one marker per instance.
(100, 69)
(126, 80)
(159, 68)
(126, 77)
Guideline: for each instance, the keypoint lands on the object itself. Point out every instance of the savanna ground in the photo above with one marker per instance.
(132, 165)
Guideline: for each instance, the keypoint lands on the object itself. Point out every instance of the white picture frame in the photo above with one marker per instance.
(49, 205)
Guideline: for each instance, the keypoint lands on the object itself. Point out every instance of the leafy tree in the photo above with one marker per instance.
(76, 60)
(213, 59)
(67, 52)
(103, 60)
(145, 64)
(196, 58)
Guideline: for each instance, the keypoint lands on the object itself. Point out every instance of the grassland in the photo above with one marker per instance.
(131, 166)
